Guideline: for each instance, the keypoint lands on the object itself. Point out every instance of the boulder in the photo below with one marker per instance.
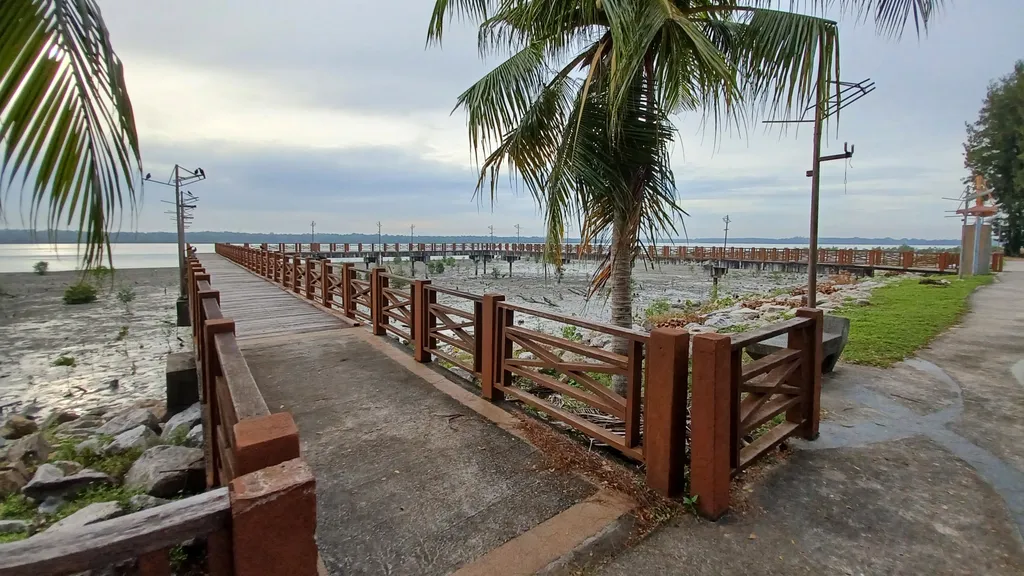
(18, 426)
(773, 308)
(50, 505)
(140, 437)
(78, 428)
(13, 526)
(58, 417)
(157, 407)
(128, 419)
(50, 481)
(527, 356)
(185, 419)
(13, 476)
(30, 450)
(743, 315)
(195, 436)
(718, 321)
(164, 471)
(694, 328)
(96, 512)
(144, 501)
(94, 445)
(68, 467)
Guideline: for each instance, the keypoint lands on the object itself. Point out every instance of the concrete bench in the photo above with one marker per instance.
(835, 333)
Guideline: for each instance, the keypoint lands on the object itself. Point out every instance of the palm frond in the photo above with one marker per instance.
(65, 118)
(889, 16)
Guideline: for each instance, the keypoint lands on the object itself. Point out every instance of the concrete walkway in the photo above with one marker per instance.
(919, 470)
(415, 474)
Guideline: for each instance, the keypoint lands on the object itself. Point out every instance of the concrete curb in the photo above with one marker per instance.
(607, 542)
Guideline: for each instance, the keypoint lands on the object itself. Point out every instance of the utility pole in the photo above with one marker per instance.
(380, 259)
(519, 237)
(182, 283)
(725, 244)
(180, 216)
(412, 236)
(312, 232)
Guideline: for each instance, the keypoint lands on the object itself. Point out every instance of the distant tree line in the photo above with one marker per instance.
(995, 150)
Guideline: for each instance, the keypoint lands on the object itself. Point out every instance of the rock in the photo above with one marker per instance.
(718, 321)
(94, 445)
(50, 480)
(157, 407)
(128, 419)
(743, 315)
(58, 417)
(13, 476)
(30, 450)
(18, 426)
(68, 467)
(601, 340)
(144, 501)
(13, 526)
(164, 471)
(773, 308)
(185, 419)
(50, 505)
(195, 436)
(80, 428)
(96, 512)
(694, 328)
(527, 356)
(139, 437)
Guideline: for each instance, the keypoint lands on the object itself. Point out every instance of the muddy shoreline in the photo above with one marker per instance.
(119, 351)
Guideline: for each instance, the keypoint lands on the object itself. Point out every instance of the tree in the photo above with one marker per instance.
(995, 150)
(580, 112)
(66, 122)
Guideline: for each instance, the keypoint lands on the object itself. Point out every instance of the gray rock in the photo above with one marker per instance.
(58, 417)
(96, 512)
(13, 526)
(68, 467)
(694, 328)
(718, 321)
(164, 471)
(13, 476)
(157, 407)
(139, 437)
(50, 480)
(30, 450)
(50, 505)
(601, 340)
(144, 501)
(94, 445)
(195, 436)
(773, 308)
(185, 419)
(128, 419)
(80, 428)
(18, 426)
(527, 356)
(743, 315)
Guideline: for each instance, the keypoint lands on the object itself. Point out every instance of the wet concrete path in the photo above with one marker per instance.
(919, 469)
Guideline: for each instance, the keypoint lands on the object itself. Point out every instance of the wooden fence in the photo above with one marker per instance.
(259, 517)
(644, 416)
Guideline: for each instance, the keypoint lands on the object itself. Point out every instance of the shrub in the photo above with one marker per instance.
(571, 333)
(64, 361)
(126, 295)
(101, 271)
(659, 307)
(41, 267)
(80, 293)
(435, 266)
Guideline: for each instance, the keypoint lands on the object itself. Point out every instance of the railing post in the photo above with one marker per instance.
(377, 302)
(210, 368)
(711, 423)
(478, 336)
(325, 283)
(665, 410)
(296, 265)
(273, 521)
(348, 305)
(809, 341)
(307, 279)
(422, 298)
(492, 342)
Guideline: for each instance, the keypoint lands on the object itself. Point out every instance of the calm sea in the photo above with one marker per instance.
(21, 257)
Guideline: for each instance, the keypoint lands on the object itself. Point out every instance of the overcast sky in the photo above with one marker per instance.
(335, 111)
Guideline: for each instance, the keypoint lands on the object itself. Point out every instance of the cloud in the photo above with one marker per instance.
(338, 112)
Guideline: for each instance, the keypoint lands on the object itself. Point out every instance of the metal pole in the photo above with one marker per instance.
(812, 256)
(181, 232)
(725, 243)
(976, 260)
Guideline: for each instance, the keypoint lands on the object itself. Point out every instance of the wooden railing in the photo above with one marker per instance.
(733, 400)
(480, 336)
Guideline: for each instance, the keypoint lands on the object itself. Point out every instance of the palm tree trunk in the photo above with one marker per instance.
(622, 294)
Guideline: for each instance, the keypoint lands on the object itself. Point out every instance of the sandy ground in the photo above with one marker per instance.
(36, 328)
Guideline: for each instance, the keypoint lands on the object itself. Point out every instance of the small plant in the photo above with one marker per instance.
(690, 503)
(41, 267)
(80, 293)
(100, 272)
(572, 333)
(121, 334)
(494, 273)
(62, 360)
(126, 295)
(435, 266)
(659, 307)
(16, 507)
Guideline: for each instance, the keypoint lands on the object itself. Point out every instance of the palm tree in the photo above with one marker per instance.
(580, 113)
(66, 122)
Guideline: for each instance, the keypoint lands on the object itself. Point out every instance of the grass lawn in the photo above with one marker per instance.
(903, 317)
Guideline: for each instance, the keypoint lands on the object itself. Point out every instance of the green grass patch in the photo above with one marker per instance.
(17, 507)
(94, 495)
(8, 538)
(116, 465)
(903, 317)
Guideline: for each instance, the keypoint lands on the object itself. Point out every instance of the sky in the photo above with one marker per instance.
(338, 112)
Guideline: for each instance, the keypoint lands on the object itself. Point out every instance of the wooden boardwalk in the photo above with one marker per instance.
(260, 308)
